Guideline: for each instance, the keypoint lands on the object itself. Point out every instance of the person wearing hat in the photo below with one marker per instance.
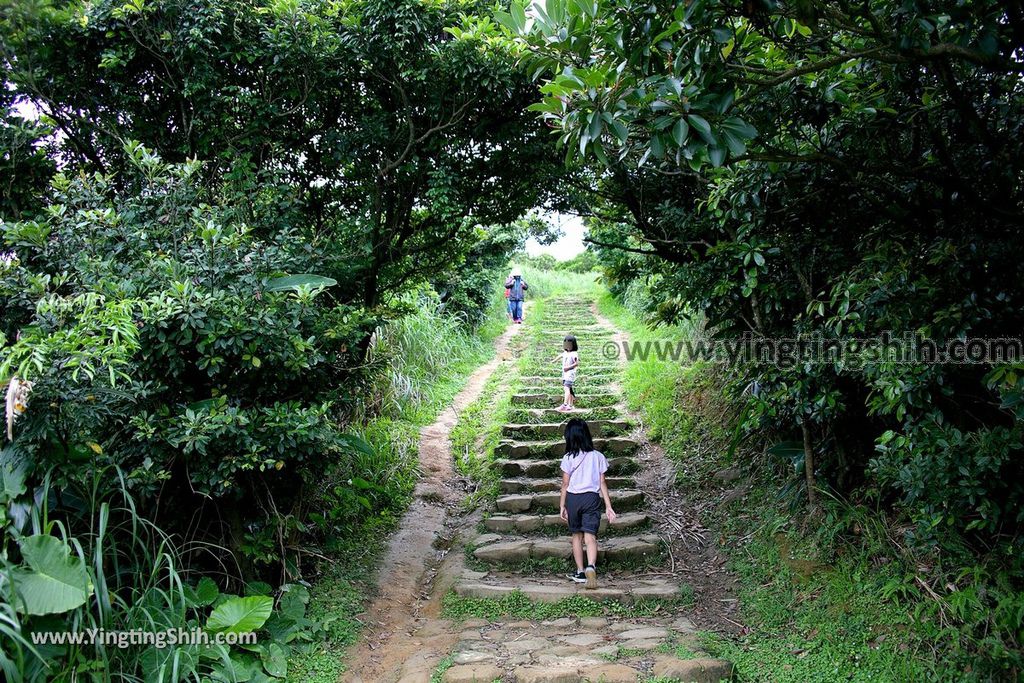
(516, 287)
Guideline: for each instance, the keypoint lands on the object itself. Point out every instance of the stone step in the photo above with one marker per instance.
(593, 400)
(545, 366)
(524, 524)
(521, 485)
(556, 429)
(615, 549)
(555, 589)
(615, 445)
(552, 468)
(585, 379)
(541, 415)
(627, 499)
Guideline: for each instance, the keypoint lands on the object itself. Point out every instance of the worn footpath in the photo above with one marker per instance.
(636, 626)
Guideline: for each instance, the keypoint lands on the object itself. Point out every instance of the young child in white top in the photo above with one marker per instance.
(570, 361)
(583, 490)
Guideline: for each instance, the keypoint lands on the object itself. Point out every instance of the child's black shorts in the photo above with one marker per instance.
(584, 511)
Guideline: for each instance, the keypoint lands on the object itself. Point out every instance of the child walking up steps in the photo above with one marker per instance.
(583, 490)
(570, 362)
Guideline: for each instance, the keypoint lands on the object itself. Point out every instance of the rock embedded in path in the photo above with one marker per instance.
(644, 633)
(484, 539)
(472, 673)
(729, 474)
(583, 639)
(641, 644)
(510, 551)
(683, 625)
(473, 657)
(612, 673)
(604, 672)
(703, 670)
(526, 645)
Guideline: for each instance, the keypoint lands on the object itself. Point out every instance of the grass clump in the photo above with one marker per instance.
(517, 605)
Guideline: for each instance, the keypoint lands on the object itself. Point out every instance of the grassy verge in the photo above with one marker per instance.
(652, 387)
(429, 358)
(477, 433)
(841, 598)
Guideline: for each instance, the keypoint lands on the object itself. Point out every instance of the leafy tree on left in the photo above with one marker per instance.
(383, 137)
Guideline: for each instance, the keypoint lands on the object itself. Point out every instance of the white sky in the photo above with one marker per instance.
(571, 242)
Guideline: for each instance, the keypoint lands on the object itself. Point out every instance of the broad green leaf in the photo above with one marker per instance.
(736, 146)
(275, 660)
(240, 615)
(701, 125)
(294, 599)
(680, 131)
(618, 130)
(54, 581)
(294, 282)
(717, 156)
(519, 16)
(258, 588)
(206, 591)
(12, 476)
(740, 127)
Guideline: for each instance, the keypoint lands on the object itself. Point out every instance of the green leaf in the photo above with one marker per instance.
(54, 581)
(657, 147)
(680, 131)
(206, 592)
(275, 660)
(741, 128)
(701, 125)
(735, 145)
(519, 16)
(295, 282)
(717, 156)
(258, 588)
(294, 599)
(618, 130)
(12, 476)
(241, 615)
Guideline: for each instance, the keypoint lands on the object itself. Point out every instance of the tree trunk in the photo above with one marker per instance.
(812, 494)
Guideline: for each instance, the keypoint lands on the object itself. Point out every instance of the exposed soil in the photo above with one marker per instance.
(398, 639)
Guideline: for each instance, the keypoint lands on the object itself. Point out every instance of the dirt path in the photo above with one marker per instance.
(395, 635)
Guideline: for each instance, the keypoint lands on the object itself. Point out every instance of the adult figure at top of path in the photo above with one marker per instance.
(516, 286)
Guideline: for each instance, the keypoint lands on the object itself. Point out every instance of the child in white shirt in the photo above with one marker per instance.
(570, 361)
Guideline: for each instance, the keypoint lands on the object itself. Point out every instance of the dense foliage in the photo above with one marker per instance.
(246, 248)
(819, 168)
(822, 170)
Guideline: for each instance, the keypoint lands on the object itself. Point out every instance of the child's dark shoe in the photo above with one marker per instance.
(578, 577)
(590, 574)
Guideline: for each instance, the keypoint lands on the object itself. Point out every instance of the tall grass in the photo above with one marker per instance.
(548, 283)
(138, 583)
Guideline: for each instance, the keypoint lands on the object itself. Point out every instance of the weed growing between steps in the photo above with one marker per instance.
(438, 675)
(517, 605)
(842, 598)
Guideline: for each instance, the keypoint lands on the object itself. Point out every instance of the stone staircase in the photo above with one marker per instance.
(524, 544)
